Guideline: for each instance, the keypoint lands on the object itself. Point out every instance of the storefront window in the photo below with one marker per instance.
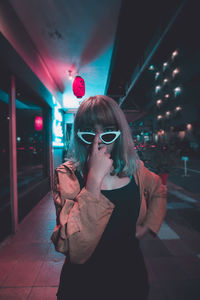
(4, 150)
(30, 142)
(25, 132)
(5, 210)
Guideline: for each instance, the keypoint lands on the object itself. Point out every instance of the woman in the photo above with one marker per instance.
(106, 200)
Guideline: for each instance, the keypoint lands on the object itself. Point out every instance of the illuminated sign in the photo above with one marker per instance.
(57, 128)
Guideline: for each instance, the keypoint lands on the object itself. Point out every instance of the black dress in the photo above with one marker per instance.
(116, 269)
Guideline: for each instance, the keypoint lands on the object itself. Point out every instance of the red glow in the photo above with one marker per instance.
(20, 148)
(78, 87)
(38, 123)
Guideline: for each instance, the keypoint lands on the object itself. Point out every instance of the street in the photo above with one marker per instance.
(190, 182)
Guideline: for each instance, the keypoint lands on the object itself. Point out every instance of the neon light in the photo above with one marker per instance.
(58, 115)
(58, 142)
(54, 100)
(58, 128)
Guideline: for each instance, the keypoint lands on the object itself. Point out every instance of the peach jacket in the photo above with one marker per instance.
(82, 218)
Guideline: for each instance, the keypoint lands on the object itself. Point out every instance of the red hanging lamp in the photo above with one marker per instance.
(78, 87)
(38, 123)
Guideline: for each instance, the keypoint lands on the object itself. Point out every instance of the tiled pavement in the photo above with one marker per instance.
(173, 258)
(30, 267)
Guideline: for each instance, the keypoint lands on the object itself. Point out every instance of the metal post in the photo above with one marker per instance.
(13, 157)
(185, 159)
(51, 170)
(185, 167)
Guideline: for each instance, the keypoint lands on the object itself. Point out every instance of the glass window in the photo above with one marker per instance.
(5, 213)
(4, 147)
(30, 140)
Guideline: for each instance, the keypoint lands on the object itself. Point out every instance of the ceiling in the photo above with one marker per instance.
(72, 35)
(105, 42)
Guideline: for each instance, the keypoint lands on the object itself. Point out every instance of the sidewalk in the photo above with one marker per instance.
(30, 267)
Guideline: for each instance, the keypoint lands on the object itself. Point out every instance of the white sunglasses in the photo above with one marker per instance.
(106, 137)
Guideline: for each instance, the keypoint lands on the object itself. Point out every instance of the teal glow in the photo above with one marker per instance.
(95, 76)
(157, 75)
(165, 65)
(151, 67)
(177, 91)
(19, 105)
(157, 88)
(57, 137)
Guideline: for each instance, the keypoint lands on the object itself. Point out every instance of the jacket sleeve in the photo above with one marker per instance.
(63, 207)
(91, 215)
(81, 218)
(156, 199)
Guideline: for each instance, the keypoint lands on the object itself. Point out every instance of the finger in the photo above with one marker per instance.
(95, 142)
(111, 161)
(103, 149)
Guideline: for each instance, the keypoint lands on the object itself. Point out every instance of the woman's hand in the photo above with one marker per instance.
(99, 164)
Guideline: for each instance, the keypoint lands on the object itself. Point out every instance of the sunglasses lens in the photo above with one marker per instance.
(88, 137)
(108, 137)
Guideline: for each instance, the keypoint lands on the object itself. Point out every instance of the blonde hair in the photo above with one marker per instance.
(105, 111)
